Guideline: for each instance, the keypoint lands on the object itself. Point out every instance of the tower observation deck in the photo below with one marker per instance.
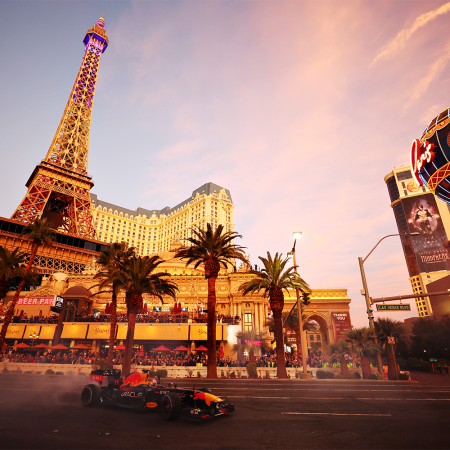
(59, 186)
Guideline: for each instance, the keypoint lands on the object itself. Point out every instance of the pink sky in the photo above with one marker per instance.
(298, 108)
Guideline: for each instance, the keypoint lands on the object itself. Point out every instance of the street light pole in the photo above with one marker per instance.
(300, 319)
(366, 294)
(33, 337)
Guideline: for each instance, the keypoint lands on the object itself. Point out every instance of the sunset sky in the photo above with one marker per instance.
(299, 108)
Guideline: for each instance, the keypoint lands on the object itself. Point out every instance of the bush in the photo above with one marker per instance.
(162, 373)
(82, 374)
(59, 373)
(232, 375)
(324, 374)
(373, 376)
(49, 372)
(403, 376)
(337, 376)
(16, 371)
(350, 376)
(411, 363)
(444, 361)
(37, 373)
(29, 371)
(357, 375)
(251, 370)
(402, 363)
(5, 370)
(152, 372)
(199, 375)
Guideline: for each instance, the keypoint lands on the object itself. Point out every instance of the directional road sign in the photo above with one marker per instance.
(394, 307)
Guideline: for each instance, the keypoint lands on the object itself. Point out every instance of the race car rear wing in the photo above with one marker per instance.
(112, 374)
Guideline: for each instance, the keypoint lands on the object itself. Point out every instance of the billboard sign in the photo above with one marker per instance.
(422, 216)
(58, 304)
(430, 157)
(341, 322)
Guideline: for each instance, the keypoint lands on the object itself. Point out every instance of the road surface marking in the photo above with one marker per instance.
(334, 414)
(255, 388)
(342, 398)
(15, 389)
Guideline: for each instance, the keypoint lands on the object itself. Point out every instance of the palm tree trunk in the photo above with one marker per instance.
(112, 332)
(12, 306)
(344, 367)
(391, 363)
(278, 332)
(365, 366)
(211, 329)
(251, 356)
(126, 366)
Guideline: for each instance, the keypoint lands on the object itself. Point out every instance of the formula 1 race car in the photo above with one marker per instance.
(138, 391)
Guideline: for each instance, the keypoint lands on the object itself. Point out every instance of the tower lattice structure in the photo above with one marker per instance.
(59, 186)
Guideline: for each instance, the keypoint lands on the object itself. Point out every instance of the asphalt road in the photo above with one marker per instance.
(44, 411)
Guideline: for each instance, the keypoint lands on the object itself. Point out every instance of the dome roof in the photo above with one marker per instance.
(439, 122)
(79, 291)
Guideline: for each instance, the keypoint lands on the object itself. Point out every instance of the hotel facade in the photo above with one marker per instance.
(416, 209)
(154, 230)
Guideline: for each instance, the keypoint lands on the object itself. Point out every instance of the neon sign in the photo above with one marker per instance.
(419, 155)
(253, 342)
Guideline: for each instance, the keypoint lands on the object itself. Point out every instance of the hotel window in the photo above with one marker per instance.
(248, 322)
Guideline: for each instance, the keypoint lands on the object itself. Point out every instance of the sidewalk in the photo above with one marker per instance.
(432, 379)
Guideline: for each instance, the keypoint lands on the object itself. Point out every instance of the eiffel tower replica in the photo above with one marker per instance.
(58, 188)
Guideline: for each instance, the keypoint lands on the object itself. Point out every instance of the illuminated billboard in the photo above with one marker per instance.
(422, 216)
(430, 157)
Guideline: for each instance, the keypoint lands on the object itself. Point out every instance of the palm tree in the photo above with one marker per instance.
(111, 260)
(10, 268)
(272, 280)
(384, 329)
(213, 249)
(341, 350)
(292, 324)
(135, 276)
(39, 232)
(362, 342)
(250, 341)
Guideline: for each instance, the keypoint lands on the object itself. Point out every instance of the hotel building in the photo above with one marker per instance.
(154, 230)
(426, 259)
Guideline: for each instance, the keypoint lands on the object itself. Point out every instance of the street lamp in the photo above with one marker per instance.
(366, 292)
(296, 235)
(33, 337)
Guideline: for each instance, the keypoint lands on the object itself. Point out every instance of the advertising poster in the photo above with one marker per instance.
(341, 322)
(422, 216)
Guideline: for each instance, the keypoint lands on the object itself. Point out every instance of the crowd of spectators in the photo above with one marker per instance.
(162, 359)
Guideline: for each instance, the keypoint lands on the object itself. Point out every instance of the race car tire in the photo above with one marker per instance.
(171, 406)
(90, 395)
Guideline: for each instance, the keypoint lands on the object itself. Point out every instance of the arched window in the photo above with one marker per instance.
(70, 315)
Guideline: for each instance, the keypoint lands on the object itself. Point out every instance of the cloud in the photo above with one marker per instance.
(399, 41)
(434, 72)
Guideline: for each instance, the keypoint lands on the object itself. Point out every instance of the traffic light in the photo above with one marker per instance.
(306, 300)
